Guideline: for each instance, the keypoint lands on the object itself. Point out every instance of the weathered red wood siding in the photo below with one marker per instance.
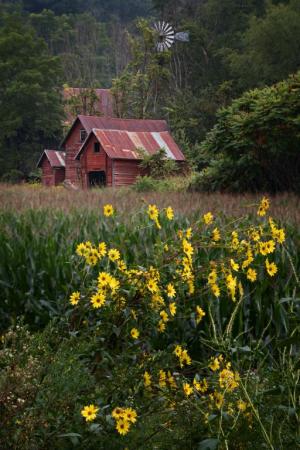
(51, 176)
(47, 173)
(109, 165)
(72, 145)
(93, 162)
(125, 171)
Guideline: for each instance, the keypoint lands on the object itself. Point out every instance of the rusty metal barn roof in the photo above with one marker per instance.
(111, 123)
(121, 144)
(55, 158)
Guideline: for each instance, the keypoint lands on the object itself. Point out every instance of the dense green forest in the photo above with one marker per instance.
(234, 46)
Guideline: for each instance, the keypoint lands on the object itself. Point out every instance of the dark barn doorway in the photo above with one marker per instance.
(97, 179)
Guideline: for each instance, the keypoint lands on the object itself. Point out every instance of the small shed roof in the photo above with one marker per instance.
(55, 158)
(121, 144)
(111, 123)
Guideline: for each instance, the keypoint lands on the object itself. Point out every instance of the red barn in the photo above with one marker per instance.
(112, 157)
(52, 164)
(105, 151)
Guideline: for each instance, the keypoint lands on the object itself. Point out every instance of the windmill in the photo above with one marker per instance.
(167, 36)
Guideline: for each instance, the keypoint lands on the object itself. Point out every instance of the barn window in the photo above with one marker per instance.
(96, 147)
(82, 135)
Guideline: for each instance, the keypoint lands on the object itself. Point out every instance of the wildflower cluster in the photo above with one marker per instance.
(182, 355)
(244, 256)
(91, 254)
(124, 418)
(194, 271)
(224, 384)
(263, 207)
(153, 213)
(217, 389)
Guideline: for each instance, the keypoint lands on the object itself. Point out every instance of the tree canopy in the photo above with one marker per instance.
(102, 9)
(270, 47)
(30, 105)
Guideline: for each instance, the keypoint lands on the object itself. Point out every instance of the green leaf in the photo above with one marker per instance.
(95, 428)
(289, 341)
(208, 444)
(289, 299)
(287, 409)
(211, 417)
(70, 435)
(297, 365)
(278, 390)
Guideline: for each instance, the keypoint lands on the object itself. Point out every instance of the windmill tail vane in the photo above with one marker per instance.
(183, 36)
(167, 36)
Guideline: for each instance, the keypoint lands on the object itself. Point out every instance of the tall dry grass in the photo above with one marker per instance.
(285, 207)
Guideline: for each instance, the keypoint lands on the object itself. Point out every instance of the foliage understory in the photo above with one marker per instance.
(160, 314)
(170, 184)
(47, 378)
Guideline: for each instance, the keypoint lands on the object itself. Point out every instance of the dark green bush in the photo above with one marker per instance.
(170, 184)
(159, 165)
(13, 176)
(145, 184)
(35, 176)
(255, 145)
(43, 384)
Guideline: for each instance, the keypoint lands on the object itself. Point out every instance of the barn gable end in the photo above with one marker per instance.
(52, 163)
(95, 164)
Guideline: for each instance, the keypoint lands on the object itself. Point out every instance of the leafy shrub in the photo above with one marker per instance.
(41, 384)
(35, 176)
(13, 176)
(255, 144)
(173, 183)
(145, 184)
(158, 165)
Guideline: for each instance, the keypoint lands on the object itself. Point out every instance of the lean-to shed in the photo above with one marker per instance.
(52, 163)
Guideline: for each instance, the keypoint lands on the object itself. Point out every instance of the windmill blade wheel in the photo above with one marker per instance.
(166, 36)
